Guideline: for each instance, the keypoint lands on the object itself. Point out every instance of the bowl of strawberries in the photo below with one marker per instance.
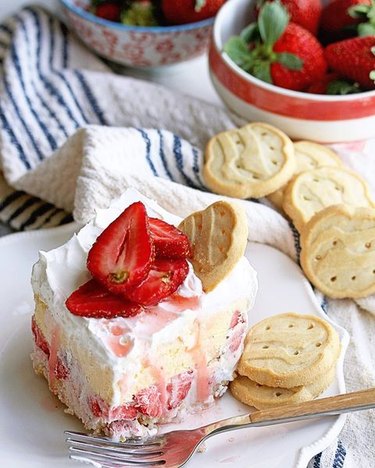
(306, 66)
(143, 33)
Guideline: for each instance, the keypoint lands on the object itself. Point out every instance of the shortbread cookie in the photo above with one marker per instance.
(218, 236)
(309, 155)
(289, 350)
(262, 397)
(338, 251)
(312, 191)
(251, 161)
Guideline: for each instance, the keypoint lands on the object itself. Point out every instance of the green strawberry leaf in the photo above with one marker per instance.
(250, 33)
(199, 4)
(238, 50)
(272, 21)
(358, 11)
(372, 75)
(366, 29)
(342, 87)
(262, 70)
(371, 12)
(290, 61)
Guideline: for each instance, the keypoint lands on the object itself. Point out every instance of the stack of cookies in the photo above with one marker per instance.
(288, 358)
(330, 205)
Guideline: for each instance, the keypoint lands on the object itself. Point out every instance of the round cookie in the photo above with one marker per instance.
(338, 251)
(309, 155)
(312, 191)
(262, 397)
(218, 236)
(289, 350)
(251, 161)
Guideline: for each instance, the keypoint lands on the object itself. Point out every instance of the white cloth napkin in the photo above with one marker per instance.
(55, 146)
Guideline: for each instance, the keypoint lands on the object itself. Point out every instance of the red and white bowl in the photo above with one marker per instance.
(300, 115)
(135, 46)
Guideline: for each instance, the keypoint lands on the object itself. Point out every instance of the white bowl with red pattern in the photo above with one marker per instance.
(300, 115)
(136, 46)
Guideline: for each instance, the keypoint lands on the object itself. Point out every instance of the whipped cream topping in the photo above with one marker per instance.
(124, 343)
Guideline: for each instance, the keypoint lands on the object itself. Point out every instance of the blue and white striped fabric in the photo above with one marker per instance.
(47, 93)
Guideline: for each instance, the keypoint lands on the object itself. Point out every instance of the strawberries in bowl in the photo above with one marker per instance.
(276, 50)
(263, 79)
(306, 13)
(153, 13)
(136, 33)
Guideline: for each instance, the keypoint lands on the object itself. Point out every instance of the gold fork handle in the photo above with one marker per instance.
(330, 406)
(355, 401)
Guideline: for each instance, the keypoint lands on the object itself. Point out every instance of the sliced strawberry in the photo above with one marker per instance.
(164, 278)
(93, 300)
(148, 402)
(40, 341)
(122, 255)
(169, 241)
(178, 388)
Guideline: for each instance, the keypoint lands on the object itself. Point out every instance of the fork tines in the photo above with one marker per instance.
(104, 452)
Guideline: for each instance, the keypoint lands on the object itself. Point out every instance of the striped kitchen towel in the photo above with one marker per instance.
(57, 155)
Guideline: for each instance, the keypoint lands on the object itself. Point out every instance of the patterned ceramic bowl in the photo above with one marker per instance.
(300, 115)
(135, 46)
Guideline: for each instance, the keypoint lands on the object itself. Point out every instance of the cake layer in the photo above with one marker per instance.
(158, 399)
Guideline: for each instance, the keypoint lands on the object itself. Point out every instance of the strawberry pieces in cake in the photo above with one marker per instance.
(136, 262)
(122, 255)
(148, 401)
(169, 241)
(94, 301)
(40, 341)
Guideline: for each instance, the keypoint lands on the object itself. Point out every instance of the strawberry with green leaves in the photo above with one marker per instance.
(345, 18)
(306, 13)
(189, 11)
(333, 84)
(278, 51)
(354, 59)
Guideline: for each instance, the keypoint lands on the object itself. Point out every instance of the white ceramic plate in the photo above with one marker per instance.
(32, 421)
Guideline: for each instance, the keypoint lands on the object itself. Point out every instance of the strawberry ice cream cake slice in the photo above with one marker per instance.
(123, 332)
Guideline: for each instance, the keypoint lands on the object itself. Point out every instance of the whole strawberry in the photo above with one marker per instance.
(277, 51)
(107, 10)
(339, 19)
(306, 13)
(189, 11)
(333, 84)
(354, 59)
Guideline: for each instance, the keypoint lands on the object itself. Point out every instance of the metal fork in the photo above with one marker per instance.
(175, 448)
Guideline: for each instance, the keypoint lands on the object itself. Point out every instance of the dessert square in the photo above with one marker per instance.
(126, 375)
